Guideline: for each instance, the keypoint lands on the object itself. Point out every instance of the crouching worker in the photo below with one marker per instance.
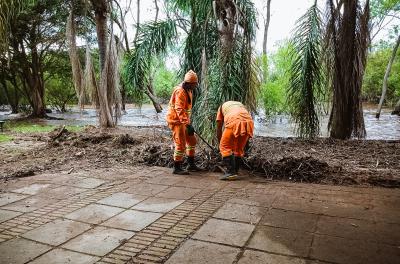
(239, 127)
(178, 118)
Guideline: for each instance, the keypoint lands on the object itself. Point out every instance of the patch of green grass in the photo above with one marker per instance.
(27, 127)
(5, 138)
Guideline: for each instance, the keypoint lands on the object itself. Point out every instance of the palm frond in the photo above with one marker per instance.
(305, 74)
(242, 85)
(153, 40)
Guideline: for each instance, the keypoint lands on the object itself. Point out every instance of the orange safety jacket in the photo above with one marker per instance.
(180, 107)
(236, 117)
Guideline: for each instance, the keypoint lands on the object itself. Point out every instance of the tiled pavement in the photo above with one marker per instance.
(152, 216)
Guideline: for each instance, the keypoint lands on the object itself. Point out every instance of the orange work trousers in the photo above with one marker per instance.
(232, 145)
(182, 142)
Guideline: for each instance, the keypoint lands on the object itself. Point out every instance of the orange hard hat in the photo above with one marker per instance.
(191, 77)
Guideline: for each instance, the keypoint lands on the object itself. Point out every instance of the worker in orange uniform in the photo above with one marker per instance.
(178, 118)
(239, 127)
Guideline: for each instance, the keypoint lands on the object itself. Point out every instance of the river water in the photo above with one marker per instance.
(387, 127)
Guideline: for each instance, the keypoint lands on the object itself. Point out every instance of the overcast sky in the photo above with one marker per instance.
(284, 14)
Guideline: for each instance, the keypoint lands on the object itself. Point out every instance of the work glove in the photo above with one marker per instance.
(190, 130)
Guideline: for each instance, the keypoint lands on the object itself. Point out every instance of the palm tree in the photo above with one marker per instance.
(218, 39)
(344, 52)
(106, 95)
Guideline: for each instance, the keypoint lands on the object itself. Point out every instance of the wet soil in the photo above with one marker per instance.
(324, 161)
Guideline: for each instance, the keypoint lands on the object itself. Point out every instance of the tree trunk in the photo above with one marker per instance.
(385, 79)
(153, 99)
(225, 13)
(137, 20)
(123, 97)
(157, 10)
(35, 82)
(396, 110)
(350, 51)
(13, 101)
(150, 93)
(37, 96)
(266, 26)
(101, 11)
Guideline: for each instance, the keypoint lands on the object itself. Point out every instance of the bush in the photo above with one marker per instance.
(273, 89)
(373, 78)
(60, 93)
(164, 83)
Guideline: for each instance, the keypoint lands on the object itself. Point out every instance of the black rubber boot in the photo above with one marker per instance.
(192, 165)
(230, 173)
(238, 162)
(178, 169)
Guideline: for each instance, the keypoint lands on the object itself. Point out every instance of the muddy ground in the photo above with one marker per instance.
(322, 161)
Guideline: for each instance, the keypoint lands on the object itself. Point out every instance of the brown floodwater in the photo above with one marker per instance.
(386, 128)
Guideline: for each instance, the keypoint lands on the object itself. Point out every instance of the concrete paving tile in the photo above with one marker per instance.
(348, 228)
(386, 214)
(88, 183)
(19, 250)
(254, 199)
(132, 220)
(240, 212)
(281, 241)
(388, 254)
(146, 189)
(225, 232)
(30, 204)
(195, 182)
(257, 257)
(57, 232)
(63, 192)
(342, 197)
(299, 204)
(124, 200)
(62, 256)
(344, 250)
(179, 193)
(7, 198)
(291, 220)
(98, 241)
(7, 215)
(203, 253)
(387, 233)
(32, 189)
(164, 180)
(160, 205)
(348, 210)
(94, 213)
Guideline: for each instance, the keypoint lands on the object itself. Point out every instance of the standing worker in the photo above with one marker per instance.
(178, 118)
(239, 127)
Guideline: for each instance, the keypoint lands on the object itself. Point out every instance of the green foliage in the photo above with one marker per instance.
(153, 40)
(59, 86)
(60, 93)
(275, 86)
(164, 83)
(5, 138)
(380, 8)
(306, 76)
(373, 78)
(30, 127)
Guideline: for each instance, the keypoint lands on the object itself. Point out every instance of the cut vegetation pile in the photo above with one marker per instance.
(318, 161)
